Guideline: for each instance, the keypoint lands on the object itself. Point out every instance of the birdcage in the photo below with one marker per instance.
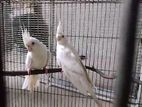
(92, 27)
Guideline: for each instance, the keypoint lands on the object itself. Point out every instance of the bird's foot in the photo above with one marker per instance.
(46, 70)
(61, 70)
(29, 71)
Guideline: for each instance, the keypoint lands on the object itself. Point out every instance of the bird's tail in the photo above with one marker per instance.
(59, 28)
(31, 82)
(93, 95)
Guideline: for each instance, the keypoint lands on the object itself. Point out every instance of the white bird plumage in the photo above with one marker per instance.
(72, 67)
(37, 58)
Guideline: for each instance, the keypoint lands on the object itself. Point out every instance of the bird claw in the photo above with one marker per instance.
(29, 71)
(46, 70)
(61, 70)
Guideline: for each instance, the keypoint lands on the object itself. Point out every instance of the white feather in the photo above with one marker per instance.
(25, 36)
(72, 67)
(36, 59)
(59, 28)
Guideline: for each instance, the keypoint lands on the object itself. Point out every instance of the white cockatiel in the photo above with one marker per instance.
(37, 58)
(72, 67)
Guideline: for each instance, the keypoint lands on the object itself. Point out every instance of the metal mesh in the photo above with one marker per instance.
(91, 26)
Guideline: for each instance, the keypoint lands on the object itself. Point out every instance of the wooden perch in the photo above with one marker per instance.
(54, 70)
(33, 72)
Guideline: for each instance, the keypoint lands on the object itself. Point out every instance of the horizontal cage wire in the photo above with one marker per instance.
(92, 27)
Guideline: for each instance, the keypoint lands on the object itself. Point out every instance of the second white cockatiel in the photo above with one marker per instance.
(72, 67)
(37, 58)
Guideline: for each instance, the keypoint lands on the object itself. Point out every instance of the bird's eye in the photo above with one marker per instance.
(33, 43)
(62, 36)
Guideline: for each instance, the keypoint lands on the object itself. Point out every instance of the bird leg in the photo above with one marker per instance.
(61, 69)
(29, 71)
(46, 70)
(60, 65)
(28, 67)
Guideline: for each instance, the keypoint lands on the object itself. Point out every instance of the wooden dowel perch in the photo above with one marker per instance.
(53, 70)
(33, 72)
(56, 70)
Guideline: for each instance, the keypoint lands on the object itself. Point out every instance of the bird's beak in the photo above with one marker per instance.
(58, 38)
(29, 48)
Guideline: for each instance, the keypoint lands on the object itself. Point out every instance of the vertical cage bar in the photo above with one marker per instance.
(51, 42)
(2, 84)
(127, 46)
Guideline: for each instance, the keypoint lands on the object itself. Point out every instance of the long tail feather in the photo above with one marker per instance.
(31, 82)
(93, 95)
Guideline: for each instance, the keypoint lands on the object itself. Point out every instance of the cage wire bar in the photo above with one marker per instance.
(91, 26)
(127, 46)
(2, 82)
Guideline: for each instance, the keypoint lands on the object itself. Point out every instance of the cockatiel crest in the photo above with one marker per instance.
(31, 43)
(25, 35)
(59, 35)
(59, 29)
